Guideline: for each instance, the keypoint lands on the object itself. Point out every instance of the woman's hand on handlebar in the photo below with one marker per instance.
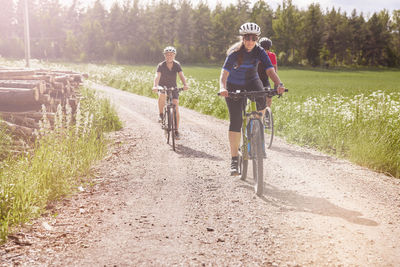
(155, 88)
(185, 88)
(223, 92)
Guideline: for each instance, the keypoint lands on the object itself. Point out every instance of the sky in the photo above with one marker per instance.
(368, 7)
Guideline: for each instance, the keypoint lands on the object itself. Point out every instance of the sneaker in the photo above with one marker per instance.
(235, 166)
(160, 118)
(177, 135)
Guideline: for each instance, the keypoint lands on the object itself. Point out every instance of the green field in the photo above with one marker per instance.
(319, 82)
(309, 82)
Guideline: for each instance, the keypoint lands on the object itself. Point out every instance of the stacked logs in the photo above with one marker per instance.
(23, 92)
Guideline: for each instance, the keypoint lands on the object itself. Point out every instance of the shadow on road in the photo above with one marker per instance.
(300, 154)
(315, 205)
(188, 152)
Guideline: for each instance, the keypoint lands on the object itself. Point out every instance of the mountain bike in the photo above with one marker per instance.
(252, 146)
(169, 122)
(268, 119)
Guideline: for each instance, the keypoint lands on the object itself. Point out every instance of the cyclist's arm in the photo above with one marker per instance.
(275, 78)
(222, 82)
(156, 81)
(182, 77)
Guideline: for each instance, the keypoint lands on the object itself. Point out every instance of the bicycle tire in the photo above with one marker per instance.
(259, 183)
(256, 144)
(172, 129)
(243, 156)
(164, 123)
(243, 165)
(168, 126)
(268, 127)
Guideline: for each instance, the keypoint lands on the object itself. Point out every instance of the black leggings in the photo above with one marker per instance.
(235, 107)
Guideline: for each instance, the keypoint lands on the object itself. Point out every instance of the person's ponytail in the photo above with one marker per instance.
(237, 47)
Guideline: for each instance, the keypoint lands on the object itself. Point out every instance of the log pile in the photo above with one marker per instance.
(23, 92)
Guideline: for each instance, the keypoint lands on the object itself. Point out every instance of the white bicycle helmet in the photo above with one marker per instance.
(249, 28)
(169, 49)
(265, 43)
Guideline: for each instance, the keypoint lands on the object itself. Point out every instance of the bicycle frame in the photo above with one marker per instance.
(169, 122)
(250, 114)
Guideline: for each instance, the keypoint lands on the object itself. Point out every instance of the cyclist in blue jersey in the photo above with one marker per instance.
(239, 72)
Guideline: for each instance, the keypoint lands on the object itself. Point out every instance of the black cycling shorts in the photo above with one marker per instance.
(235, 107)
(175, 94)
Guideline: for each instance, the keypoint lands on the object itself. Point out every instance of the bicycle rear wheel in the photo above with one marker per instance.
(257, 152)
(268, 127)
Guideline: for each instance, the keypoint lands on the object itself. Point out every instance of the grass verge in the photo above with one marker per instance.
(62, 155)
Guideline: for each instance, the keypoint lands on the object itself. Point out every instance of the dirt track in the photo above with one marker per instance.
(152, 206)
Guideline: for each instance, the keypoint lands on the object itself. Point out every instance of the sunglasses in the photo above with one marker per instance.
(251, 37)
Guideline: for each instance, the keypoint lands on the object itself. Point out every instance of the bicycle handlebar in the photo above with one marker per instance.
(171, 89)
(269, 93)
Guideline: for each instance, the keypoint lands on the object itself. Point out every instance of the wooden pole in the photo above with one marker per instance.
(27, 39)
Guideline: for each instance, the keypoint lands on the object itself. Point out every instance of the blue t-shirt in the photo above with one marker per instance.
(247, 71)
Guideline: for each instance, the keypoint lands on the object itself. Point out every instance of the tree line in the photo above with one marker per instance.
(135, 33)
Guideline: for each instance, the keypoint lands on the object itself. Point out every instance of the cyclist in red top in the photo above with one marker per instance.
(266, 44)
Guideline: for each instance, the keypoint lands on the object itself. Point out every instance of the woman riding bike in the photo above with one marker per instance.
(239, 72)
(166, 77)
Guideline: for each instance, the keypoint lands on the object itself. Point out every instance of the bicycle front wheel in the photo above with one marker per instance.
(243, 164)
(164, 124)
(169, 124)
(257, 153)
(172, 115)
(268, 127)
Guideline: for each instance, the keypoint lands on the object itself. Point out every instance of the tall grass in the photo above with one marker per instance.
(62, 155)
(352, 114)
(362, 128)
(5, 141)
